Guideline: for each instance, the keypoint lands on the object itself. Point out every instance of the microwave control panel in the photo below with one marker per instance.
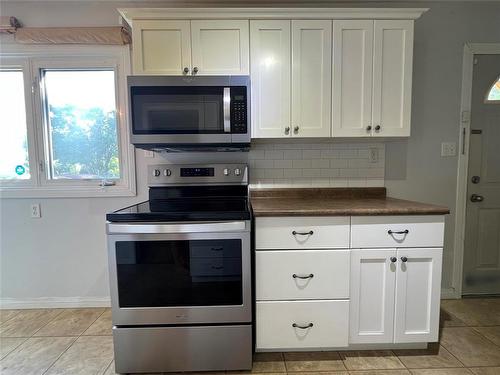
(239, 109)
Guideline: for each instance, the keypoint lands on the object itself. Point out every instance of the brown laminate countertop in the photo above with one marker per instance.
(335, 202)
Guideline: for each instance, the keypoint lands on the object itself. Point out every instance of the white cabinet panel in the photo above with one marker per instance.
(418, 288)
(373, 278)
(161, 47)
(324, 232)
(270, 72)
(397, 231)
(275, 330)
(220, 46)
(352, 78)
(311, 77)
(392, 71)
(319, 274)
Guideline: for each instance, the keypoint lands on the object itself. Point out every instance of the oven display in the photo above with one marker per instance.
(197, 172)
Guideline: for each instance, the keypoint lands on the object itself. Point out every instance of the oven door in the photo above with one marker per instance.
(177, 273)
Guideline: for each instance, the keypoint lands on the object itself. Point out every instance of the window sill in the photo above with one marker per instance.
(67, 192)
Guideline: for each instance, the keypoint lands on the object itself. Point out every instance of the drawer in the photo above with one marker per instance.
(382, 231)
(302, 232)
(275, 320)
(274, 272)
(214, 248)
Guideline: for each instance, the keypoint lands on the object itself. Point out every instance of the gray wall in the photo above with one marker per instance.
(63, 254)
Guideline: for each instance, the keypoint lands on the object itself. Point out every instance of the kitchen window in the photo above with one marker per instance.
(63, 123)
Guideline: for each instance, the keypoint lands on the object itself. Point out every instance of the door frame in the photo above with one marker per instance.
(470, 49)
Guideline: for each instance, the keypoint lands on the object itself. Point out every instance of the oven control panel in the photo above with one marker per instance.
(197, 174)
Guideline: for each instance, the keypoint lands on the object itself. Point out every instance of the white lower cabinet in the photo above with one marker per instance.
(302, 324)
(317, 287)
(395, 295)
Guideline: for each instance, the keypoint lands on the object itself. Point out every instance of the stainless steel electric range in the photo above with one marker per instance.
(180, 272)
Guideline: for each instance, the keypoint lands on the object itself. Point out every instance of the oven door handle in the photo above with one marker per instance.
(154, 228)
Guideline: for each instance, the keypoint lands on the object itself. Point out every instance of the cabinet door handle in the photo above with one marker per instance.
(404, 259)
(296, 129)
(287, 130)
(185, 70)
(368, 128)
(310, 276)
(377, 128)
(310, 233)
(406, 231)
(393, 259)
(195, 70)
(295, 325)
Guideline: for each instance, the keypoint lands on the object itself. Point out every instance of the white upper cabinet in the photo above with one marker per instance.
(270, 53)
(220, 47)
(291, 78)
(210, 47)
(418, 289)
(352, 78)
(161, 47)
(311, 78)
(372, 73)
(392, 77)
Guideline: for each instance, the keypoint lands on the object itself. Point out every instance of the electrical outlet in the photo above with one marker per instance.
(448, 149)
(373, 155)
(35, 211)
(149, 154)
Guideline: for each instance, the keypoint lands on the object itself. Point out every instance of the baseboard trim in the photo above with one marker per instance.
(54, 302)
(449, 293)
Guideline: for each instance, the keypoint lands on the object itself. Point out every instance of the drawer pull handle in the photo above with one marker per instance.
(406, 231)
(295, 325)
(310, 276)
(310, 233)
(217, 249)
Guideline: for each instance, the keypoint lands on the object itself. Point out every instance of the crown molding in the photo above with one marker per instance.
(131, 14)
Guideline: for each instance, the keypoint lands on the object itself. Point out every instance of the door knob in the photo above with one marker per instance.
(369, 128)
(377, 128)
(393, 259)
(476, 198)
(195, 70)
(287, 130)
(185, 70)
(404, 259)
(296, 129)
(475, 179)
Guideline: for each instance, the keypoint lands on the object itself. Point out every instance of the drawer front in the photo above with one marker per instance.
(397, 231)
(275, 330)
(302, 232)
(319, 274)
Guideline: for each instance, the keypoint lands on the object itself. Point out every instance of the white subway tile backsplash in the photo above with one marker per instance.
(323, 163)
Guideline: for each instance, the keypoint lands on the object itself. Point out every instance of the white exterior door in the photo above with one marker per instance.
(311, 78)
(392, 76)
(482, 233)
(352, 78)
(220, 47)
(418, 289)
(373, 279)
(161, 47)
(270, 71)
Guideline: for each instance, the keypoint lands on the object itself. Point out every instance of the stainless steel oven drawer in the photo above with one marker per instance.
(162, 349)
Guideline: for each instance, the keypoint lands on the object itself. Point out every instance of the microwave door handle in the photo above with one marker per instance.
(227, 109)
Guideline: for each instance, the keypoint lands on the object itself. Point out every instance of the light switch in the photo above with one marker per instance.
(373, 155)
(448, 149)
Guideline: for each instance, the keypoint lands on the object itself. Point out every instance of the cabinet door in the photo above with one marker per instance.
(392, 75)
(418, 288)
(270, 71)
(161, 47)
(220, 47)
(311, 78)
(373, 278)
(352, 78)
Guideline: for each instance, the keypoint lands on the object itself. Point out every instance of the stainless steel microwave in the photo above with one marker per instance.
(178, 112)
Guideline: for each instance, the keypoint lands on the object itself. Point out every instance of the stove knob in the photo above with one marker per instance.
(226, 172)
(167, 172)
(237, 172)
(156, 173)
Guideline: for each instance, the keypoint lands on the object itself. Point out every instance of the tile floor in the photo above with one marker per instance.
(78, 341)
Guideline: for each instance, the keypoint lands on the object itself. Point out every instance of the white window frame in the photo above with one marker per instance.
(34, 58)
